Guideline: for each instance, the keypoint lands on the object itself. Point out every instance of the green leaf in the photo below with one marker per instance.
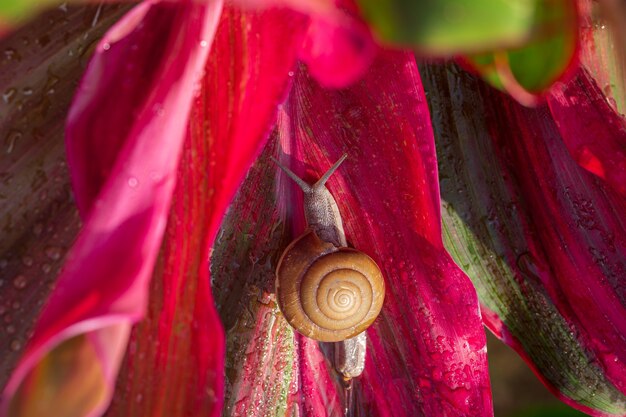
(531, 69)
(16, 11)
(454, 26)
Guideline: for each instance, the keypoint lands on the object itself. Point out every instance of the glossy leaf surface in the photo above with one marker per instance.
(269, 368)
(594, 133)
(39, 69)
(426, 366)
(124, 198)
(175, 358)
(541, 238)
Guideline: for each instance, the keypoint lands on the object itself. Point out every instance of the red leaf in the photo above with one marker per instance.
(593, 132)
(427, 351)
(246, 77)
(542, 239)
(338, 49)
(124, 135)
(579, 225)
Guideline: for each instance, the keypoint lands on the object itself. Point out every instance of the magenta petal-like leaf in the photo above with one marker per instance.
(594, 133)
(338, 49)
(427, 353)
(124, 136)
(175, 360)
(139, 84)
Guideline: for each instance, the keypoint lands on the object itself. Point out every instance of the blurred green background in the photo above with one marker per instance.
(516, 390)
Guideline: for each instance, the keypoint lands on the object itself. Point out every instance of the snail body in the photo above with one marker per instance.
(325, 290)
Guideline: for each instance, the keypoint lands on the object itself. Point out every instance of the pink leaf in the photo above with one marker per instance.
(124, 135)
(338, 50)
(427, 351)
(593, 132)
(176, 358)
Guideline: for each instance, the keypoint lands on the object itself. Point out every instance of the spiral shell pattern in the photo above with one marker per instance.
(328, 293)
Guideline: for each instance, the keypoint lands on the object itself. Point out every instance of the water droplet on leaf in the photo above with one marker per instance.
(133, 182)
(19, 282)
(53, 252)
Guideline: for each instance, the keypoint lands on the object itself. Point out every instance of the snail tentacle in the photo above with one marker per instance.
(322, 181)
(303, 184)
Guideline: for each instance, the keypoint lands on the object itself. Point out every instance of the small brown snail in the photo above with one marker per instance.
(325, 290)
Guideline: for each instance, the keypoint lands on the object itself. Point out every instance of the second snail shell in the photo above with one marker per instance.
(328, 293)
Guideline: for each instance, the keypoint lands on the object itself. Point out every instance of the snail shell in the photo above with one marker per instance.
(325, 290)
(328, 293)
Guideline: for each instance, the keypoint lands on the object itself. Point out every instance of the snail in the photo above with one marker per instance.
(326, 290)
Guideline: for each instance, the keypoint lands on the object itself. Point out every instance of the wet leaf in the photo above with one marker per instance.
(426, 352)
(124, 197)
(175, 359)
(39, 70)
(406, 356)
(594, 133)
(541, 238)
(269, 368)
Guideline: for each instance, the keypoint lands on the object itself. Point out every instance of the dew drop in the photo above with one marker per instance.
(19, 282)
(11, 139)
(8, 95)
(27, 261)
(16, 345)
(155, 176)
(106, 46)
(10, 329)
(46, 268)
(37, 229)
(50, 83)
(133, 182)
(11, 54)
(204, 43)
(53, 252)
